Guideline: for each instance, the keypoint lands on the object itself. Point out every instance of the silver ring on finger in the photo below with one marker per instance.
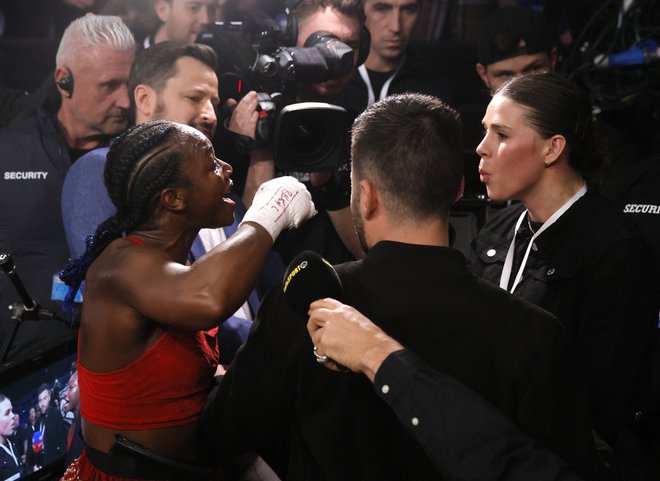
(319, 358)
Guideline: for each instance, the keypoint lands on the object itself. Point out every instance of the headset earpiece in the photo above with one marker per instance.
(66, 83)
(365, 45)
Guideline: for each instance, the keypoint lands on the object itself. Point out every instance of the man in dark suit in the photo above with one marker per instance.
(311, 423)
(52, 427)
(393, 64)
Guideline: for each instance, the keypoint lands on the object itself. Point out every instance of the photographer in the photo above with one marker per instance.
(331, 232)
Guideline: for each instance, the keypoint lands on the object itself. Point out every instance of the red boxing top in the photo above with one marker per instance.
(165, 387)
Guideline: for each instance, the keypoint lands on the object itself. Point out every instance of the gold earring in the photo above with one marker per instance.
(546, 164)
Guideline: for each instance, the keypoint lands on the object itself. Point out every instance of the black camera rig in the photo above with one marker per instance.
(253, 55)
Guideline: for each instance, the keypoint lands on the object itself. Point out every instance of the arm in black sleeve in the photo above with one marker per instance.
(252, 408)
(463, 435)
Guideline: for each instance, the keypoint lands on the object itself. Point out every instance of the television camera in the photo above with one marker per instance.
(253, 55)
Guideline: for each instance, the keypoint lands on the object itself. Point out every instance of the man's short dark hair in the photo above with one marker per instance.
(43, 387)
(350, 8)
(410, 147)
(155, 65)
(510, 32)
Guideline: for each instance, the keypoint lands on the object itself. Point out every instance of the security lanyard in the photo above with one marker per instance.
(371, 98)
(508, 262)
(10, 451)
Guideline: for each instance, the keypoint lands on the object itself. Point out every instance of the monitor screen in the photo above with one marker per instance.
(38, 406)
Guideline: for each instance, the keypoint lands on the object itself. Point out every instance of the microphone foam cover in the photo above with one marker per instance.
(307, 278)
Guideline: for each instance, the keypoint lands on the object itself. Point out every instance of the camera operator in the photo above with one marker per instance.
(179, 20)
(331, 233)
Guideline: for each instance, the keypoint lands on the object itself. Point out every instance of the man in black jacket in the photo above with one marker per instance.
(311, 423)
(462, 434)
(392, 65)
(52, 427)
(91, 75)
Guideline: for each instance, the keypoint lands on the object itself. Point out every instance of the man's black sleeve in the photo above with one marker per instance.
(463, 435)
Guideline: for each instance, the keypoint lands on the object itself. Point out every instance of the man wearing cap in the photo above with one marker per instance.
(513, 41)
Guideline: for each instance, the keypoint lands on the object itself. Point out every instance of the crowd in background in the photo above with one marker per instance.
(453, 52)
(45, 415)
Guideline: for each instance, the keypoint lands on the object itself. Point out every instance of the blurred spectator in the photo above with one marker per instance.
(34, 456)
(134, 13)
(391, 67)
(217, 11)
(512, 41)
(180, 20)
(51, 425)
(9, 458)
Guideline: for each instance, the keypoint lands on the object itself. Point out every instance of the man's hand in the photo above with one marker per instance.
(345, 336)
(244, 115)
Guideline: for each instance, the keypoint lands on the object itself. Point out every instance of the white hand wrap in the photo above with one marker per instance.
(281, 203)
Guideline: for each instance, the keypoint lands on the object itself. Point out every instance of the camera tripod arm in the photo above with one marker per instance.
(8, 267)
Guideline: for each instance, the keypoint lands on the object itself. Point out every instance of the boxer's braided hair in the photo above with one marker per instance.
(140, 163)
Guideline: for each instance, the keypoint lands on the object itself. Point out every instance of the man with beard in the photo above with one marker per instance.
(172, 81)
(52, 427)
(318, 424)
(330, 232)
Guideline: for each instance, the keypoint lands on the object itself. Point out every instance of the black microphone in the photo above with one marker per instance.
(309, 277)
(8, 267)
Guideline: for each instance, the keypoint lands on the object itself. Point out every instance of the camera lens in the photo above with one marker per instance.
(311, 137)
(306, 138)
